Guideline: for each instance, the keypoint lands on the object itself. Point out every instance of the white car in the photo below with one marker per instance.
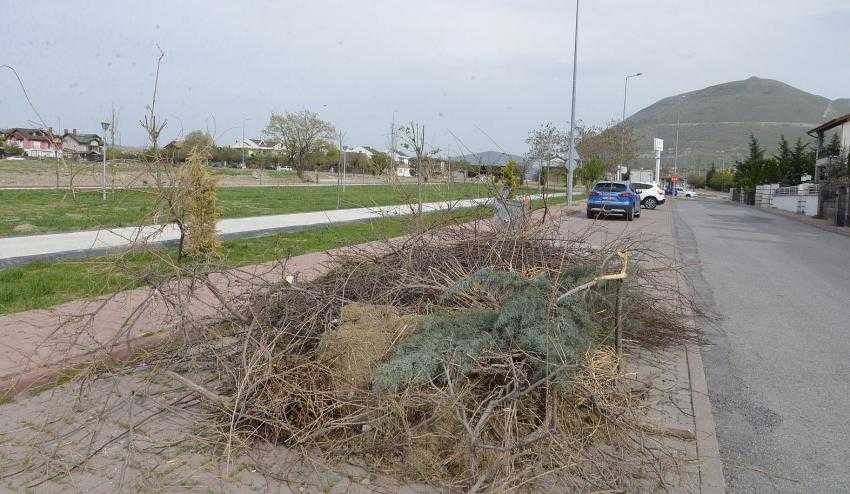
(15, 158)
(684, 192)
(651, 195)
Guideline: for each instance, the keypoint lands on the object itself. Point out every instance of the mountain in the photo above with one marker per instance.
(488, 158)
(715, 122)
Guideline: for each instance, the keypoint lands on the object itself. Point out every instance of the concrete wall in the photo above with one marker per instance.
(808, 203)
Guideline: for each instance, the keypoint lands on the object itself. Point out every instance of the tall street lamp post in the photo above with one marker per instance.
(242, 144)
(570, 166)
(623, 121)
(105, 126)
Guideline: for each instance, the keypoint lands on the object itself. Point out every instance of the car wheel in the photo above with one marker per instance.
(650, 203)
(630, 215)
(590, 214)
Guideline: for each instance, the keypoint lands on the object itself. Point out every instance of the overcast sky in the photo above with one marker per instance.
(455, 66)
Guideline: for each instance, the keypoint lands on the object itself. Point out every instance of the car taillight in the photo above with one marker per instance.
(625, 194)
(594, 193)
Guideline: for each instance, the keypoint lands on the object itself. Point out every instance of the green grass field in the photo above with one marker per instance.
(44, 284)
(25, 212)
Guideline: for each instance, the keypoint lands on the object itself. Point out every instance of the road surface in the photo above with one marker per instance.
(779, 365)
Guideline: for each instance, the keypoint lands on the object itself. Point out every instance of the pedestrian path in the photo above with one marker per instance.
(16, 250)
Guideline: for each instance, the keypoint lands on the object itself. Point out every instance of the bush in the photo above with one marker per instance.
(722, 180)
(511, 177)
(697, 181)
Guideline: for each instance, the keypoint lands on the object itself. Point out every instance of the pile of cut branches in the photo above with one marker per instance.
(454, 357)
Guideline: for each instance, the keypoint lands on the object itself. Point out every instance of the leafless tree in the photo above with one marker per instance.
(150, 123)
(300, 133)
(413, 139)
(611, 144)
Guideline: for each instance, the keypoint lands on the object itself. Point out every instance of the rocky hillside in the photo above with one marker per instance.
(715, 122)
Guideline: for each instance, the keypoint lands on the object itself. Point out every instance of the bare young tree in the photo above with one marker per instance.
(545, 144)
(413, 139)
(300, 133)
(150, 124)
(610, 144)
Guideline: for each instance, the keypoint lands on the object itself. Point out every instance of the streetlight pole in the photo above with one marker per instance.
(623, 120)
(570, 167)
(105, 126)
(242, 144)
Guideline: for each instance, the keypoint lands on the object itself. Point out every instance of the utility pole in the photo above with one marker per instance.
(112, 127)
(623, 120)
(676, 148)
(242, 144)
(393, 155)
(105, 126)
(339, 171)
(570, 167)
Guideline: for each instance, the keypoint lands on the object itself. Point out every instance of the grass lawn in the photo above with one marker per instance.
(43, 284)
(44, 211)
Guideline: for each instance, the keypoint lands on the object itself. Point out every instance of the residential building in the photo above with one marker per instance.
(826, 161)
(87, 146)
(258, 146)
(36, 143)
(402, 163)
(364, 150)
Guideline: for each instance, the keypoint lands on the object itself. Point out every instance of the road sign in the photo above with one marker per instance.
(674, 179)
(658, 144)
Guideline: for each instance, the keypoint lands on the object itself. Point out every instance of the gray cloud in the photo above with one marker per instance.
(502, 66)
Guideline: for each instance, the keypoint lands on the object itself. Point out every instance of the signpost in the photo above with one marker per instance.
(658, 145)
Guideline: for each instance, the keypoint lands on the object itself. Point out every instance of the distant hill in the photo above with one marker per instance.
(715, 122)
(488, 158)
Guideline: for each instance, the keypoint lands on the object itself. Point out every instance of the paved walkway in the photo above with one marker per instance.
(16, 250)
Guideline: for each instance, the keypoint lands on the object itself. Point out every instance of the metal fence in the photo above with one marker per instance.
(795, 190)
(835, 203)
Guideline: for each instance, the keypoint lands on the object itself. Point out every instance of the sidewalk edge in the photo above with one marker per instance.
(708, 450)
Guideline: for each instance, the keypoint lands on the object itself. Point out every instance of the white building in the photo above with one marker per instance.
(262, 145)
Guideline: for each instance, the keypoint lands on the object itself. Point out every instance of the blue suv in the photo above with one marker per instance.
(613, 198)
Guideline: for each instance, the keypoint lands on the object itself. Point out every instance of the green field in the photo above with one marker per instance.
(26, 212)
(44, 284)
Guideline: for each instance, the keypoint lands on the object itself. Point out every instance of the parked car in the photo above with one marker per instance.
(680, 191)
(618, 198)
(651, 195)
(15, 158)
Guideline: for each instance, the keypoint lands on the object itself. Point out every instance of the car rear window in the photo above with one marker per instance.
(609, 187)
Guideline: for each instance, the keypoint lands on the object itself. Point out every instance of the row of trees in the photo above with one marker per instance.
(601, 148)
(787, 166)
(306, 143)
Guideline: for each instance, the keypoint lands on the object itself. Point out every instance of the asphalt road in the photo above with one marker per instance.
(778, 367)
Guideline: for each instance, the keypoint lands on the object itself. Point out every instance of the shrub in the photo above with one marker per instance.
(522, 322)
(200, 207)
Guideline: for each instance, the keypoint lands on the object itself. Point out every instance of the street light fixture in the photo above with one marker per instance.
(623, 121)
(105, 126)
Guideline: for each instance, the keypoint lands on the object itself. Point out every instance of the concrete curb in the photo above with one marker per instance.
(711, 477)
(710, 465)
